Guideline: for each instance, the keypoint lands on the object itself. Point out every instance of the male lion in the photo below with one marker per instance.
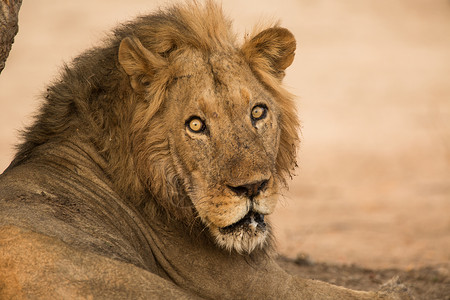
(151, 167)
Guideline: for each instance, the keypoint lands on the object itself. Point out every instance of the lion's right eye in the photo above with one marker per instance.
(196, 125)
(259, 112)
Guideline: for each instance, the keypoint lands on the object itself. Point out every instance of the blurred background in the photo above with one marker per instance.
(373, 86)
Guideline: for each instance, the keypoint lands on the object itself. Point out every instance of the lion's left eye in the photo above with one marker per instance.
(196, 125)
(259, 112)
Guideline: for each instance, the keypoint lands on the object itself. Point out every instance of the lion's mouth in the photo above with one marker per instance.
(252, 220)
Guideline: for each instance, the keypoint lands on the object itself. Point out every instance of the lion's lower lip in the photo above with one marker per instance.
(251, 219)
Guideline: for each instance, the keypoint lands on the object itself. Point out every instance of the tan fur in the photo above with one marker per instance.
(113, 194)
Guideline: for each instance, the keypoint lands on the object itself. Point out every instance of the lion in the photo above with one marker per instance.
(152, 167)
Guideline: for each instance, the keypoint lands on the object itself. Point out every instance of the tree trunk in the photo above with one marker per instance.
(9, 13)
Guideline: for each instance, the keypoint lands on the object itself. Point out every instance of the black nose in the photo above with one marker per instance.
(250, 190)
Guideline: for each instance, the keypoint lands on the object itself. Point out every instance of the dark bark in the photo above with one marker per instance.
(9, 15)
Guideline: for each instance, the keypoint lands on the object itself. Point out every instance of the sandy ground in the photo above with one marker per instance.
(373, 80)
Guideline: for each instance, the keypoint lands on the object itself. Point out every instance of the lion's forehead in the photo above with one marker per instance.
(214, 93)
(214, 72)
(218, 87)
(230, 101)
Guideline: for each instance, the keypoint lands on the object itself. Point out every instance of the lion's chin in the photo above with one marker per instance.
(244, 236)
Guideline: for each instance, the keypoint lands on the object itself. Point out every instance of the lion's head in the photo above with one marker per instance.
(218, 115)
(189, 122)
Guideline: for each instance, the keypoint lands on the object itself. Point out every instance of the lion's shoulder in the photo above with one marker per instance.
(70, 202)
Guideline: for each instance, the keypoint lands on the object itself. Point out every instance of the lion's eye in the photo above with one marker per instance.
(195, 125)
(259, 112)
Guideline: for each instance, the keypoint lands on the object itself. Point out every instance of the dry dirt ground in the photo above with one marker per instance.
(427, 283)
(371, 198)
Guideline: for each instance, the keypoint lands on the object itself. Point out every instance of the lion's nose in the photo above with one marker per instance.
(249, 190)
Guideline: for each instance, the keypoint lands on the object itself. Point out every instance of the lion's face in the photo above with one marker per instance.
(220, 122)
(224, 140)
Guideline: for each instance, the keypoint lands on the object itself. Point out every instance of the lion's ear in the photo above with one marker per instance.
(272, 50)
(138, 62)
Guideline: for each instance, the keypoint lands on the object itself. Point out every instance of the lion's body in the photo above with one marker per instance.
(151, 166)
